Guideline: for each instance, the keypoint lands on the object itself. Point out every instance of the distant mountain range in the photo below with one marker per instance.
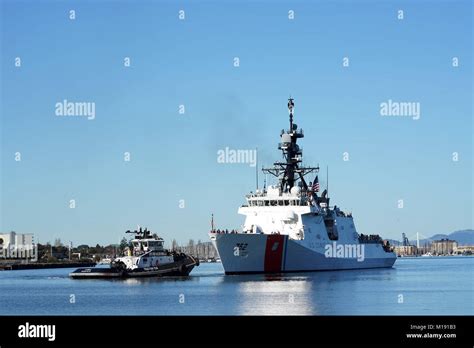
(463, 237)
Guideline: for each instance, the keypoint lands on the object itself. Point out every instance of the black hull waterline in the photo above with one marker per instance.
(182, 268)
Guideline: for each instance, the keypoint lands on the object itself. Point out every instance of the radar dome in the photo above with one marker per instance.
(285, 138)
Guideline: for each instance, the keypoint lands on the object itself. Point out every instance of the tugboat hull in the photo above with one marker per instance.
(182, 268)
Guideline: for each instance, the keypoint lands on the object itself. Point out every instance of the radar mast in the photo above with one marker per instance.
(288, 171)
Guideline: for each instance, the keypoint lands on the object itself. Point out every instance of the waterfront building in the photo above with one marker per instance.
(405, 250)
(444, 247)
(465, 250)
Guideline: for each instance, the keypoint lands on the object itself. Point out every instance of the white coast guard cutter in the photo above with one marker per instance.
(290, 228)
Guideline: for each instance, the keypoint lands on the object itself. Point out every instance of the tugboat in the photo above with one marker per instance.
(144, 257)
(290, 228)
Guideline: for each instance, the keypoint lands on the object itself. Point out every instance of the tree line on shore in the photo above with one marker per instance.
(58, 252)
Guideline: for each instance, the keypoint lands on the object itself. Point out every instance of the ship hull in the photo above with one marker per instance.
(263, 253)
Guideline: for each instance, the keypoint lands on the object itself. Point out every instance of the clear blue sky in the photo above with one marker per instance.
(190, 62)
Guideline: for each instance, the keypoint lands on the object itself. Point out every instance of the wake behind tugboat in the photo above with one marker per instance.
(145, 257)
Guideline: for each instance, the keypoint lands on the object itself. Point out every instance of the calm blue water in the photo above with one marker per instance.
(429, 286)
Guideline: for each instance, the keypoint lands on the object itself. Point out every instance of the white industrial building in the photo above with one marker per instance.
(17, 245)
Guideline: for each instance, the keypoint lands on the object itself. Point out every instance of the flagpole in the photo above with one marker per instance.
(256, 166)
(327, 180)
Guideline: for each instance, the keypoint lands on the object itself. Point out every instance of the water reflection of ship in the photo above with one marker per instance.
(302, 293)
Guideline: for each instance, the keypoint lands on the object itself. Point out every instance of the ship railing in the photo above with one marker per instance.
(256, 194)
(224, 231)
(370, 239)
(276, 201)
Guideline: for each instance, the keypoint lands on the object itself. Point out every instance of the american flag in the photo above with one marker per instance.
(316, 184)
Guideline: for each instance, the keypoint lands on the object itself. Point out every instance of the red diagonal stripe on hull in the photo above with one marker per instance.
(274, 253)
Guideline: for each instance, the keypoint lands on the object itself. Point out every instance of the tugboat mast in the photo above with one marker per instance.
(288, 172)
